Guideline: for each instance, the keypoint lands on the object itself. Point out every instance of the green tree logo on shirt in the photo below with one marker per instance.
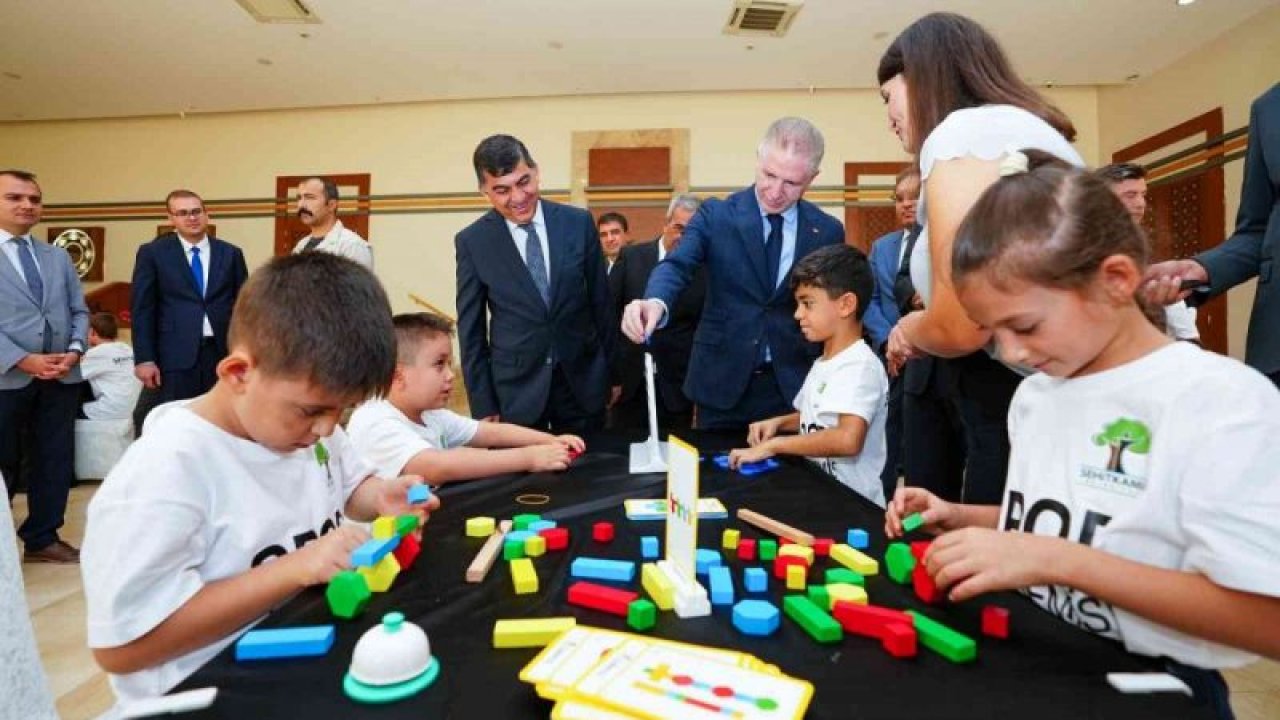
(1123, 435)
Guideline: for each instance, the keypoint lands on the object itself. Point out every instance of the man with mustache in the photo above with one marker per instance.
(318, 210)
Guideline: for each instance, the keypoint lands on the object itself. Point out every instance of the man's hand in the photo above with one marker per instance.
(640, 319)
(149, 374)
(899, 348)
(42, 366)
(1162, 284)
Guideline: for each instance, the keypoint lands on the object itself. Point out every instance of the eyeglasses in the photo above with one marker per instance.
(194, 212)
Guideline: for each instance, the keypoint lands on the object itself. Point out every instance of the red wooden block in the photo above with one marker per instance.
(783, 541)
(995, 622)
(822, 546)
(557, 538)
(898, 640)
(919, 548)
(867, 620)
(746, 549)
(407, 551)
(599, 597)
(602, 532)
(923, 584)
(781, 562)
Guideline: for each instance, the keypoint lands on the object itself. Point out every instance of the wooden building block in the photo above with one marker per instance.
(557, 538)
(842, 592)
(484, 559)
(912, 522)
(291, 642)
(800, 551)
(512, 548)
(995, 622)
(747, 549)
(796, 576)
(523, 576)
(532, 632)
(768, 549)
(373, 550)
(406, 553)
(649, 549)
(419, 494)
(943, 640)
(755, 579)
(599, 597)
(822, 546)
(600, 569)
(535, 546)
(815, 621)
(641, 615)
(524, 520)
(480, 526)
(924, 586)
(843, 575)
(781, 564)
(347, 594)
(721, 586)
(602, 532)
(899, 562)
(756, 617)
(867, 620)
(899, 640)
(855, 560)
(383, 528)
(381, 574)
(857, 538)
(729, 539)
(406, 524)
(658, 585)
(774, 527)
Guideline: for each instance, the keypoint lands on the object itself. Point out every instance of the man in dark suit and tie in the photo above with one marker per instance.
(1250, 252)
(749, 358)
(669, 346)
(535, 320)
(44, 329)
(185, 284)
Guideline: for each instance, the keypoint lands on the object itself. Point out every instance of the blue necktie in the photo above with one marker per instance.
(26, 256)
(773, 249)
(197, 270)
(537, 265)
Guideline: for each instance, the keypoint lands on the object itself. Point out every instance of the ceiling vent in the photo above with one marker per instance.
(279, 11)
(762, 17)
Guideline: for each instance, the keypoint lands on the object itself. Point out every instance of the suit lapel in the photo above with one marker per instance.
(557, 246)
(178, 257)
(10, 273)
(751, 230)
(807, 236)
(503, 250)
(218, 257)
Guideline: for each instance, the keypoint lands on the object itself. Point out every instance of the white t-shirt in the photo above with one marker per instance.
(1170, 461)
(109, 369)
(389, 439)
(189, 504)
(851, 383)
(1180, 322)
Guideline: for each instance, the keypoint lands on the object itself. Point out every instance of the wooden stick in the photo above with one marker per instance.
(770, 525)
(484, 559)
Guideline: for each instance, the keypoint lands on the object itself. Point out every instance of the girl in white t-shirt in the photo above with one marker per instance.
(1141, 502)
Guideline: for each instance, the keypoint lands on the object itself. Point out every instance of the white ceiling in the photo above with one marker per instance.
(102, 58)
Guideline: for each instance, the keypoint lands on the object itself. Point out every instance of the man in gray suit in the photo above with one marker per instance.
(43, 329)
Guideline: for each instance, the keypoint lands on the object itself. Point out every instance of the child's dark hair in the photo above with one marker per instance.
(837, 269)
(1052, 225)
(320, 318)
(105, 325)
(413, 329)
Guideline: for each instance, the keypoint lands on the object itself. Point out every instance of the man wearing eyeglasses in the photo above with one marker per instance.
(184, 286)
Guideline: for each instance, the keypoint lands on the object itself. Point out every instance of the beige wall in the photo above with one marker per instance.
(1228, 73)
(425, 147)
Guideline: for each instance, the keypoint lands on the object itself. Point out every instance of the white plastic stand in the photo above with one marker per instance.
(691, 599)
(649, 456)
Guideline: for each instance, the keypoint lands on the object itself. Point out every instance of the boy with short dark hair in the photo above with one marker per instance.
(842, 404)
(411, 431)
(235, 500)
(108, 368)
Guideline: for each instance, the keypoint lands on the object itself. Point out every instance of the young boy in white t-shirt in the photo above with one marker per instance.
(411, 431)
(108, 368)
(843, 400)
(234, 501)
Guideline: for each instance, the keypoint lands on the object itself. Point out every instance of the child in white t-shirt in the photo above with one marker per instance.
(1141, 501)
(234, 501)
(108, 368)
(842, 404)
(410, 431)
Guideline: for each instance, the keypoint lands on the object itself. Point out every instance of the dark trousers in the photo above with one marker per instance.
(633, 412)
(933, 444)
(1208, 687)
(48, 408)
(762, 400)
(564, 414)
(983, 391)
(180, 384)
(893, 429)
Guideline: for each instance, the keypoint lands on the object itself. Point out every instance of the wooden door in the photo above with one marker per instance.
(633, 181)
(353, 207)
(868, 210)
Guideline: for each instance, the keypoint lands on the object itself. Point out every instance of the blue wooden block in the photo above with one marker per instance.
(374, 550)
(857, 538)
(519, 535)
(721, 586)
(706, 559)
(756, 617)
(600, 569)
(285, 643)
(649, 547)
(540, 525)
(755, 579)
(419, 494)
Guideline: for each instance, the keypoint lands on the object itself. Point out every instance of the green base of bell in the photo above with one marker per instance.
(361, 692)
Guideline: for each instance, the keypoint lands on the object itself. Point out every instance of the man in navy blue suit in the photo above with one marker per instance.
(185, 284)
(749, 358)
(535, 319)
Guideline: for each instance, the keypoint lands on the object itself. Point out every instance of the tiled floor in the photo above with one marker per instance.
(57, 610)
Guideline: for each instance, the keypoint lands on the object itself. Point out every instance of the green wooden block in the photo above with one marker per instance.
(641, 614)
(513, 550)
(348, 594)
(522, 521)
(912, 522)
(819, 595)
(843, 575)
(406, 524)
(900, 562)
(943, 640)
(815, 621)
(767, 549)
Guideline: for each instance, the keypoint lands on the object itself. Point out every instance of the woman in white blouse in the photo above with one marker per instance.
(956, 103)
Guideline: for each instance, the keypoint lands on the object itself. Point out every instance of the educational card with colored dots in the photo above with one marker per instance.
(665, 682)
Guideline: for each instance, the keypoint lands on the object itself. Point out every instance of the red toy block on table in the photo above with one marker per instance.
(574, 454)
(407, 551)
(995, 622)
(599, 597)
(899, 640)
(822, 546)
(924, 587)
(781, 562)
(746, 549)
(602, 532)
(919, 548)
(867, 620)
(557, 538)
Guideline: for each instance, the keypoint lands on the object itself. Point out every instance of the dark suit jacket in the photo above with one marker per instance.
(882, 311)
(1252, 250)
(743, 308)
(672, 344)
(166, 307)
(509, 338)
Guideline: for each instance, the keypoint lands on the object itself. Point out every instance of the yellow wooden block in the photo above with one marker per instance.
(800, 551)
(380, 575)
(796, 577)
(535, 632)
(523, 576)
(535, 545)
(854, 560)
(480, 526)
(845, 592)
(658, 585)
(729, 541)
(384, 527)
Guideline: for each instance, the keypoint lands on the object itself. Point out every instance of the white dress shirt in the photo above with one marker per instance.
(9, 244)
(520, 237)
(205, 262)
